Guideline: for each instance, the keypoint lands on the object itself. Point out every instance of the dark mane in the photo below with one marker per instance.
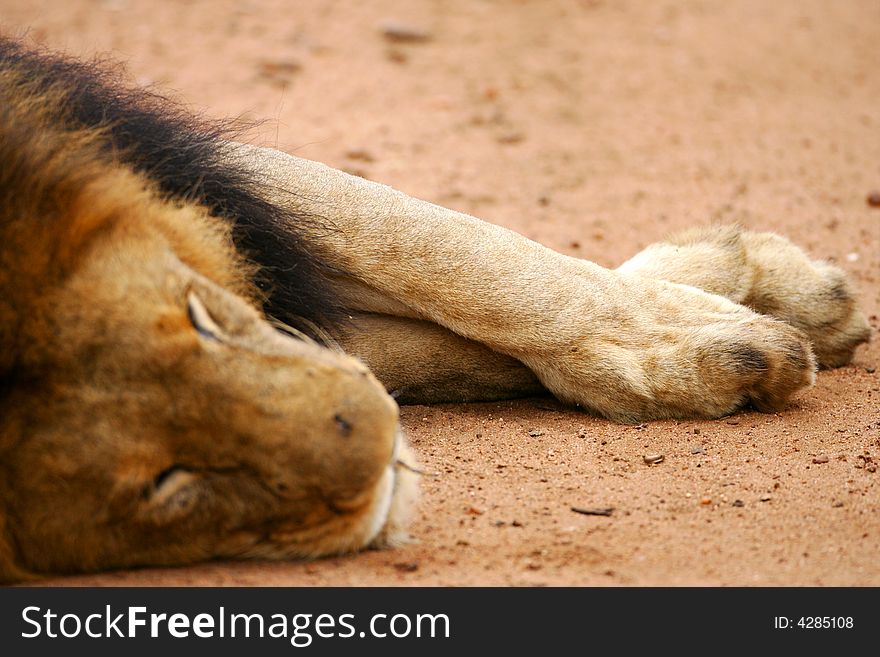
(182, 154)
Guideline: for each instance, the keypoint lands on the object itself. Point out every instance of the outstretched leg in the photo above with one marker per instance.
(421, 362)
(625, 346)
(768, 274)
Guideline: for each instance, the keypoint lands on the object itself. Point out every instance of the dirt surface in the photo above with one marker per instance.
(595, 127)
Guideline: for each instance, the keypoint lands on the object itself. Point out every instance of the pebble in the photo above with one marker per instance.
(396, 56)
(399, 32)
(873, 199)
(766, 498)
(361, 154)
(407, 567)
(603, 511)
(653, 459)
(510, 138)
(534, 433)
(852, 257)
(697, 450)
(738, 503)
(820, 459)
(280, 72)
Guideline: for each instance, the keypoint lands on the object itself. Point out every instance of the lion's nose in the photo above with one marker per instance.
(364, 410)
(343, 425)
(329, 424)
(360, 426)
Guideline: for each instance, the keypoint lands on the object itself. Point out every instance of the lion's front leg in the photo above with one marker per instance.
(623, 345)
(768, 274)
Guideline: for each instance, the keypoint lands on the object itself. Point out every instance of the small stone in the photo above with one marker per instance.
(873, 199)
(653, 459)
(399, 32)
(407, 567)
(766, 498)
(697, 450)
(837, 504)
(602, 511)
(510, 138)
(396, 56)
(696, 432)
(534, 433)
(705, 501)
(361, 154)
(738, 503)
(820, 459)
(852, 257)
(516, 523)
(279, 73)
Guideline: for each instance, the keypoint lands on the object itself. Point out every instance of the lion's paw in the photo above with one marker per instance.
(812, 295)
(676, 352)
(768, 274)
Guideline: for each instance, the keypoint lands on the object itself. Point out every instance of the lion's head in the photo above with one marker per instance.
(149, 412)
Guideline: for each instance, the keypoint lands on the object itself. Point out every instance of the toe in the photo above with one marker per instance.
(789, 366)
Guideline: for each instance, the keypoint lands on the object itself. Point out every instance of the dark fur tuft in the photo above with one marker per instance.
(182, 154)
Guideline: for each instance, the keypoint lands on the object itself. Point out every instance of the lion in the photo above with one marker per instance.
(204, 342)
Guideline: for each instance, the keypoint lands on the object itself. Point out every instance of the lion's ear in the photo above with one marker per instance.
(10, 570)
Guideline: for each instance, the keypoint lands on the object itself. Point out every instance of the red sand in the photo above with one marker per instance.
(596, 128)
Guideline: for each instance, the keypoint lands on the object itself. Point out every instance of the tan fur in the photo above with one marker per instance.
(275, 447)
(637, 343)
(768, 274)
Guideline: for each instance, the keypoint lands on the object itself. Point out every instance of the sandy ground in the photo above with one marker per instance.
(595, 127)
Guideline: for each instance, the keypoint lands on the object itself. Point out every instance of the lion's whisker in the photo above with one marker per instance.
(407, 466)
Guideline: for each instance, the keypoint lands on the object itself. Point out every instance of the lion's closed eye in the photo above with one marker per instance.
(174, 490)
(201, 319)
